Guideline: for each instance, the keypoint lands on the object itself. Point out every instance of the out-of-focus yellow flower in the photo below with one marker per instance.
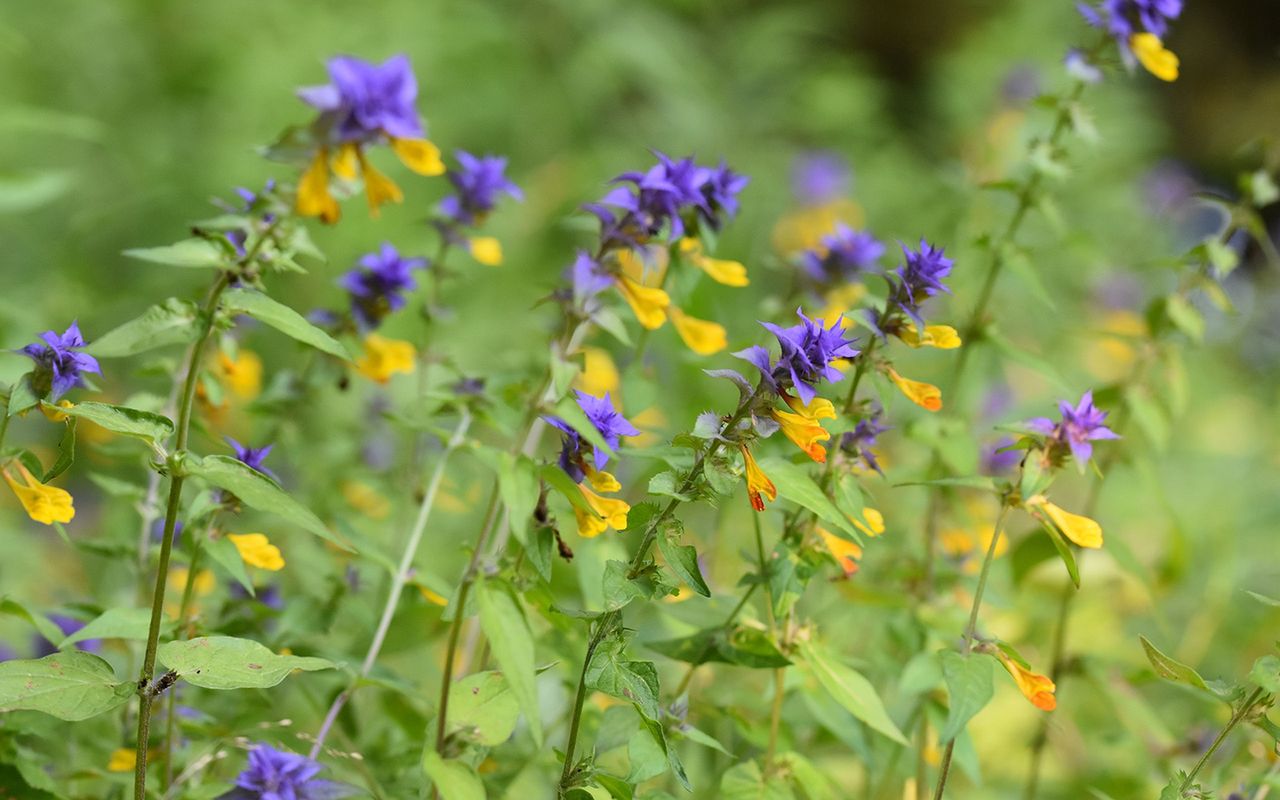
(42, 502)
(1084, 532)
(803, 433)
(874, 525)
(258, 551)
(841, 300)
(366, 499)
(385, 357)
(1112, 355)
(758, 484)
(419, 155)
(432, 597)
(314, 198)
(969, 545)
(701, 336)
(599, 373)
(943, 337)
(651, 422)
(925, 395)
(1154, 56)
(649, 304)
(729, 273)
(846, 553)
(123, 759)
(53, 415)
(242, 375)
(803, 229)
(612, 511)
(646, 266)
(1035, 687)
(205, 582)
(486, 249)
(378, 188)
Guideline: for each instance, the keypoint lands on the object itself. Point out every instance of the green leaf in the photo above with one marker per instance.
(1170, 668)
(22, 395)
(70, 686)
(43, 625)
(507, 629)
(191, 253)
(746, 647)
(518, 484)
(1185, 317)
(170, 322)
(812, 782)
(667, 484)
(1064, 551)
(850, 689)
(453, 779)
(259, 492)
(227, 556)
(746, 782)
(635, 681)
(225, 662)
(684, 560)
(970, 687)
(151, 428)
(282, 318)
(1266, 673)
(794, 484)
(66, 451)
(620, 590)
(647, 754)
(562, 483)
(114, 623)
(482, 709)
(1264, 599)
(967, 482)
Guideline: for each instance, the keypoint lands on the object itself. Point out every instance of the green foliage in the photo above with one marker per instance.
(225, 662)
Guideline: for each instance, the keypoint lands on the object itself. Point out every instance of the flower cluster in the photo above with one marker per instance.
(273, 774)
(859, 441)
(59, 367)
(843, 255)
(1138, 28)
(478, 182)
(253, 457)
(809, 352)
(601, 413)
(377, 284)
(1080, 425)
(919, 277)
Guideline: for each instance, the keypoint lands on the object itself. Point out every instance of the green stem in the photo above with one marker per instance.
(187, 403)
(1239, 715)
(4, 421)
(779, 679)
(728, 622)
(188, 591)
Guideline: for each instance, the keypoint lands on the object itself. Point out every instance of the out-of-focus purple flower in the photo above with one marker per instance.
(721, 190)
(588, 277)
(1168, 187)
(807, 352)
(1118, 291)
(324, 318)
(843, 255)
(469, 387)
(378, 283)
(68, 625)
(366, 100)
(59, 367)
(919, 278)
(252, 457)
(7, 653)
(478, 182)
(1021, 85)
(1080, 68)
(1123, 18)
(1080, 425)
(277, 775)
(642, 204)
(820, 177)
(859, 441)
(991, 461)
(157, 530)
(269, 595)
(610, 423)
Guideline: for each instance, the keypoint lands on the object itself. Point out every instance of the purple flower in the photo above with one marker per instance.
(820, 177)
(859, 441)
(662, 197)
(157, 530)
(994, 460)
(721, 191)
(378, 283)
(252, 457)
(588, 277)
(807, 352)
(1123, 18)
(1080, 67)
(365, 100)
(478, 183)
(842, 256)
(1080, 425)
(277, 775)
(68, 626)
(610, 423)
(58, 366)
(920, 278)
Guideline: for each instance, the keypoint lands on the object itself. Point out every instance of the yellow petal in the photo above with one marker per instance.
(487, 250)
(875, 522)
(602, 481)
(379, 189)
(943, 337)
(419, 155)
(846, 553)
(818, 407)
(432, 597)
(43, 503)
(701, 336)
(612, 511)
(646, 266)
(1153, 55)
(599, 373)
(758, 483)
(385, 357)
(804, 433)
(56, 416)
(729, 273)
(1035, 687)
(242, 374)
(648, 304)
(1083, 531)
(804, 229)
(346, 163)
(925, 395)
(257, 551)
(314, 198)
(841, 300)
(123, 759)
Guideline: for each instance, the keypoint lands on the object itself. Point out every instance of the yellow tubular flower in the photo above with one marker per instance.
(701, 336)
(1155, 57)
(818, 407)
(435, 598)
(257, 551)
(43, 503)
(242, 374)
(646, 265)
(649, 304)
(600, 480)
(204, 583)
(378, 188)
(757, 482)
(925, 395)
(314, 199)
(804, 433)
(486, 249)
(1035, 687)
(875, 522)
(1084, 532)
(612, 511)
(56, 416)
(599, 373)
(419, 155)
(728, 273)
(943, 337)
(846, 553)
(385, 357)
(346, 163)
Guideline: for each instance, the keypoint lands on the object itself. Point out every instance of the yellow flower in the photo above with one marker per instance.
(56, 416)
(1158, 60)
(757, 482)
(366, 499)
(43, 503)
(435, 598)
(967, 545)
(804, 433)
(242, 374)
(1035, 687)
(314, 198)
(486, 249)
(804, 229)
(702, 337)
(419, 155)
(729, 273)
(846, 553)
(378, 188)
(818, 407)
(204, 584)
(612, 511)
(943, 337)
(600, 480)
(385, 357)
(599, 373)
(257, 551)
(646, 266)
(346, 164)
(875, 522)
(925, 395)
(841, 300)
(123, 759)
(649, 304)
(1083, 531)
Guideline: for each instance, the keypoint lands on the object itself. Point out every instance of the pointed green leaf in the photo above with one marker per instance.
(170, 322)
(969, 686)
(482, 709)
(190, 253)
(1170, 668)
(225, 662)
(151, 428)
(66, 451)
(850, 689)
(453, 779)
(683, 559)
(70, 686)
(225, 553)
(794, 484)
(115, 623)
(505, 626)
(282, 318)
(636, 681)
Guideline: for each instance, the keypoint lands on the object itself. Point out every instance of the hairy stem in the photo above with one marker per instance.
(1239, 715)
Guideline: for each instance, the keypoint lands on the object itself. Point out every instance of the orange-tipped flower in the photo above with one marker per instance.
(846, 553)
(1035, 687)
(925, 395)
(804, 433)
(758, 484)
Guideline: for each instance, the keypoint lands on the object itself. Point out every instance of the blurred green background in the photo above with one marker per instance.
(119, 120)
